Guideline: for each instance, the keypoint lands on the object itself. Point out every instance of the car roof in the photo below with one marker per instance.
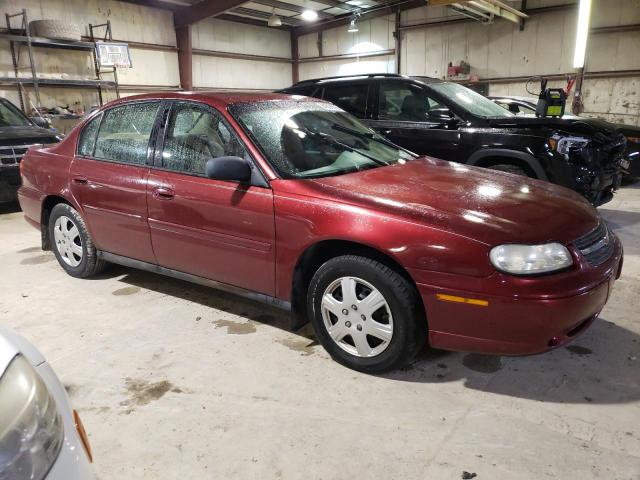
(346, 78)
(219, 98)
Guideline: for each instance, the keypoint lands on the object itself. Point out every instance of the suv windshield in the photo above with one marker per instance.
(10, 116)
(471, 101)
(314, 139)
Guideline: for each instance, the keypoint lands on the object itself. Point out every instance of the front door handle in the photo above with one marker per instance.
(80, 179)
(163, 193)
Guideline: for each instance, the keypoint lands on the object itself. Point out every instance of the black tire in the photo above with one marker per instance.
(505, 167)
(90, 264)
(409, 323)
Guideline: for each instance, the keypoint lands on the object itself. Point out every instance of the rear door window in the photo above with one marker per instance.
(124, 133)
(351, 97)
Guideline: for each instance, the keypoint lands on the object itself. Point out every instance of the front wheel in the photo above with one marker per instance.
(366, 315)
(71, 242)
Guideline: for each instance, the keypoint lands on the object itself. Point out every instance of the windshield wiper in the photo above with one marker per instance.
(330, 139)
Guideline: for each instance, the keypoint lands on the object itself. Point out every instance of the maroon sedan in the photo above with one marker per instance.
(295, 202)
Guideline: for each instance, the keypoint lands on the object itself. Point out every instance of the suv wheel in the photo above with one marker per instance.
(365, 315)
(72, 243)
(505, 167)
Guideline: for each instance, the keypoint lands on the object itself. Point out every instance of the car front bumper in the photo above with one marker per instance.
(515, 324)
(9, 183)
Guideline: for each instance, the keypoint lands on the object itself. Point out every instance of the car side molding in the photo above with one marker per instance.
(150, 267)
(477, 156)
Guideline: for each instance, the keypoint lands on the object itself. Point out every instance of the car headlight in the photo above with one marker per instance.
(31, 429)
(564, 145)
(530, 259)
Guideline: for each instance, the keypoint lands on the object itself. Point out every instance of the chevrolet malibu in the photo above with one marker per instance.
(293, 201)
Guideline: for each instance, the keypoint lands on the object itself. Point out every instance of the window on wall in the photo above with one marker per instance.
(194, 135)
(404, 102)
(88, 137)
(125, 131)
(351, 98)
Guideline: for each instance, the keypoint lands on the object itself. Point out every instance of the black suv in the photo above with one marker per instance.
(449, 121)
(17, 134)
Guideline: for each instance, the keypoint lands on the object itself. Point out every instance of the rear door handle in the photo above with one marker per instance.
(163, 193)
(80, 179)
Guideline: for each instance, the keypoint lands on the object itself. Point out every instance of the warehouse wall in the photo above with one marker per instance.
(210, 71)
(375, 35)
(155, 64)
(130, 23)
(501, 51)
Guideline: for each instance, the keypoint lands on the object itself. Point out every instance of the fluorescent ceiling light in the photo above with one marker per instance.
(309, 15)
(584, 14)
(354, 2)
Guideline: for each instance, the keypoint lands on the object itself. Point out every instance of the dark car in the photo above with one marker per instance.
(449, 121)
(17, 134)
(293, 201)
(527, 106)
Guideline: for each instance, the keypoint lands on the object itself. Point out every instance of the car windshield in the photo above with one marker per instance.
(10, 116)
(314, 139)
(471, 101)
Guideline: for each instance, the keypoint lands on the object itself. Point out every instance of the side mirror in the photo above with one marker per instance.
(228, 168)
(440, 114)
(41, 122)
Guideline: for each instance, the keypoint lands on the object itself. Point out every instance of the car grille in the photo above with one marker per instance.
(12, 155)
(597, 245)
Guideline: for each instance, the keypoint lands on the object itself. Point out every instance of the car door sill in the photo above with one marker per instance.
(151, 267)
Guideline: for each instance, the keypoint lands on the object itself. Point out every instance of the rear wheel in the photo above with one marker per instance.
(366, 315)
(505, 167)
(71, 242)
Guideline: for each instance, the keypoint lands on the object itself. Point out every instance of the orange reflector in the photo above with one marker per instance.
(470, 301)
(83, 435)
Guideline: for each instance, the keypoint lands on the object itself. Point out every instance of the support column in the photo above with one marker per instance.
(397, 34)
(295, 56)
(185, 56)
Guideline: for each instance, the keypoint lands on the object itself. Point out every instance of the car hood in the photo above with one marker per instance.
(19, 135)
(485, 205)
(576, 125)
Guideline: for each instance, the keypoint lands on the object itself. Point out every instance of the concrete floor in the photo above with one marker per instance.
(177, 381)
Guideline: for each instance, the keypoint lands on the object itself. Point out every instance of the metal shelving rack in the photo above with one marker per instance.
(20, 37)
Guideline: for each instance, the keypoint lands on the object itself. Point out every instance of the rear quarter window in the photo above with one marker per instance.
(87, 141)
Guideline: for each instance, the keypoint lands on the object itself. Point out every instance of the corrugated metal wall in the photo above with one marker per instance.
(545, 47)
(155, 64)
(375, 35)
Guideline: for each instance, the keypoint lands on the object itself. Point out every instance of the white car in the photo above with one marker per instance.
(41, 437)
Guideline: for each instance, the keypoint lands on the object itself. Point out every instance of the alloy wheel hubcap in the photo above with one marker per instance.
(68, 241)
(357, 317)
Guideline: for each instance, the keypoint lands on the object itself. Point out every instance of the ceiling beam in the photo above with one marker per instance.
(155, 4)
(229, 17)
(289, 6)
(366, 14)
(264, 15)
(336, 3)
(205, 9)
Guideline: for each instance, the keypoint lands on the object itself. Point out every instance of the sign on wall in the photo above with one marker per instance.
(113, 55)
